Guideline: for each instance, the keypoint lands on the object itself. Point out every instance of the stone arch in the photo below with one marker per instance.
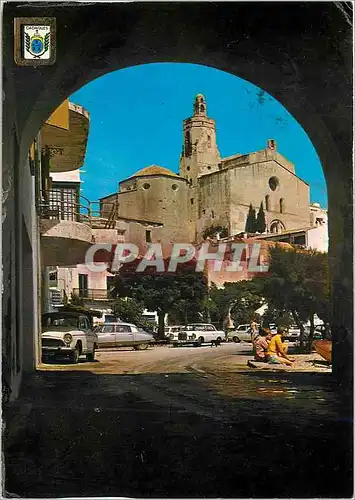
(276, 226)
(118, 35)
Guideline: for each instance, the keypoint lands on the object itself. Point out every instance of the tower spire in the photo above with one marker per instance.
(200, 108)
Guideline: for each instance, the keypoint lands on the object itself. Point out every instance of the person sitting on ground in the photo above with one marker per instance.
(261, 345)
(277, 350)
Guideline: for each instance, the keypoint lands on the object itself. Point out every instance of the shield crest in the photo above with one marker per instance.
(37, 41)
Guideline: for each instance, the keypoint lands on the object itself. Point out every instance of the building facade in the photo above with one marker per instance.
(212, 192)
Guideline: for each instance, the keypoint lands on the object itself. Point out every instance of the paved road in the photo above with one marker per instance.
(177, 422)
(162, 359)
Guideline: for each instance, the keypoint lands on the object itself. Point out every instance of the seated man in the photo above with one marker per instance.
(261, 345)
(277, 350)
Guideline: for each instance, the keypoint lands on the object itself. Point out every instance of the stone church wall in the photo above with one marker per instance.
(288, 195)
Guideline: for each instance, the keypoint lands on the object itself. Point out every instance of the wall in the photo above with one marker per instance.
(214, 196)
(157, 199)
(317, 238)
(250, 184)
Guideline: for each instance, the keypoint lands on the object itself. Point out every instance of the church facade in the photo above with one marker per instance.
(211, 192)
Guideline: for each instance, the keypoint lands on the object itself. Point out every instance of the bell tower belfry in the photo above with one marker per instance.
(200, 153)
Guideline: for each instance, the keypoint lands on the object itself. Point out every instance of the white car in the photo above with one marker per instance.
(197, 334)
(69, 334)
(241, 333)
(171, 332)
(123, 335)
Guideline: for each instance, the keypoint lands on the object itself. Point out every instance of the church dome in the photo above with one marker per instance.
(154, 170)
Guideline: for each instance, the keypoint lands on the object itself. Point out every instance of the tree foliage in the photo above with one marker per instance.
(180, 293)
(212, 231)
(128, 309)
(260, 220)
(250, 223)
(299, 283)
(90, 313)
(242, 299)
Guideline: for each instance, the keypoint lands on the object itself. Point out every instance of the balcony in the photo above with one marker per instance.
(69, 225)
(67, 138)
(93, 293)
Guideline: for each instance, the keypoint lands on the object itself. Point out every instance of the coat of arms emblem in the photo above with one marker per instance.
(37, 42)
(34, 41)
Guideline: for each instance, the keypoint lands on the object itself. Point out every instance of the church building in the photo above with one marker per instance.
(211, 192)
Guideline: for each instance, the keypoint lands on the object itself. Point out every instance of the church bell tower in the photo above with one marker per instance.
(200, 153)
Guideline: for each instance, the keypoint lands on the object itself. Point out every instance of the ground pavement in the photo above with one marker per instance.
(179, 422)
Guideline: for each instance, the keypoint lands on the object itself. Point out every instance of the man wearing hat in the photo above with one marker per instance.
(277, 350)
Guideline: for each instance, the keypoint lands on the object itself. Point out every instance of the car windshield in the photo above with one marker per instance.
(59, 321)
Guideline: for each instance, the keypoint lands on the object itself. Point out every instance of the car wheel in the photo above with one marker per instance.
(140, 347)
(91, 355)
(236, 339)
(200, 341)
(74, 355)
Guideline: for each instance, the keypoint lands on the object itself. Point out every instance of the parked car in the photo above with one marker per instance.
(197, 334)
(293, 333)
(241, 333)
(171, 332)
(69, 334)
(321, 332)
(123, 335)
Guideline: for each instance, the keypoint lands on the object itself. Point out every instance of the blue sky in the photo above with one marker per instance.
(136, 119)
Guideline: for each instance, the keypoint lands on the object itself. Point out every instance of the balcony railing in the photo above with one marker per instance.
(92, 293)
(78, 209)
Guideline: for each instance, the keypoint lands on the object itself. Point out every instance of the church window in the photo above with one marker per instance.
(209, 141)
(202, 108)
(267, 202)
(282, 206)
(203, 211)
(209, 167)
(188, 169)
(146, 185)
(273, 183)
(192, 201)
(148, 236)
(174, 187)
(188, 146)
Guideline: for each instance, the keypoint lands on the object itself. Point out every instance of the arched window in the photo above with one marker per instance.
(282, 205)
(267, 202)
(188, 147)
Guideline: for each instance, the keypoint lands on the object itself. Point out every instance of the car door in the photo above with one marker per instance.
(124, 336)
(243, 333)
(210, 333)
(106, 336)
(91, 335)
(86, 340)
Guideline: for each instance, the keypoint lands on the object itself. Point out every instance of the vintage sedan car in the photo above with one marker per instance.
(239, 334)
(197, 334)
(123, 335)
(68, 334)
(171, 332)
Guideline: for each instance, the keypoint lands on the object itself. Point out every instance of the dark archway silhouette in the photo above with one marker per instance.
(300, 53)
